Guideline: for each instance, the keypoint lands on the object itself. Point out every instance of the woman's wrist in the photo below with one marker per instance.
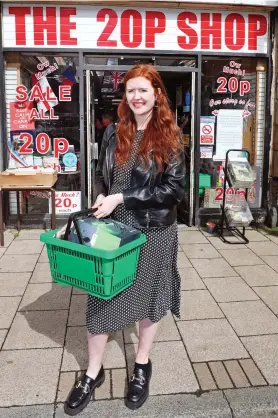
(120, 198)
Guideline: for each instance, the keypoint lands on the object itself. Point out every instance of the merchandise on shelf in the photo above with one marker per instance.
(238, 212)
(240, 173)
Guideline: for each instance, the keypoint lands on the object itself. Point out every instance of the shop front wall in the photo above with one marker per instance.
(42, 88)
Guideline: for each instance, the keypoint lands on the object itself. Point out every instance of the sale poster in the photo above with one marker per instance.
(207, 129)
(20, 116)
(66, 202)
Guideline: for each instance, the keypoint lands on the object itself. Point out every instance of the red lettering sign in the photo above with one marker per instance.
(113, 27)
(155, 23)
(48, 24)
(190, 41)
(235, 24)
(131, 23)
(211, 29)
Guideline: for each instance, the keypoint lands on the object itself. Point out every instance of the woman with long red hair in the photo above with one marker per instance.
(140, 182)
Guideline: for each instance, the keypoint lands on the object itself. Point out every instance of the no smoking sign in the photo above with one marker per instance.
(207, 131)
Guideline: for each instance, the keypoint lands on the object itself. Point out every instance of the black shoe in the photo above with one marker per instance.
(138, 387)
(81, 393)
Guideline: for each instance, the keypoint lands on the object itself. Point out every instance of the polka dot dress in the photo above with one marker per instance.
(156, 288)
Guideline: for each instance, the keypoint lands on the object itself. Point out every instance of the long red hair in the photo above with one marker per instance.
(161, 137)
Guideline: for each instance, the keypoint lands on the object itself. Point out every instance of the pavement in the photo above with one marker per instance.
(218, 361)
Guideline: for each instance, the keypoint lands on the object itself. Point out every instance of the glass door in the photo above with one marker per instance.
(104, 91)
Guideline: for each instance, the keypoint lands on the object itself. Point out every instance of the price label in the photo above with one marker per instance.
(66, 202)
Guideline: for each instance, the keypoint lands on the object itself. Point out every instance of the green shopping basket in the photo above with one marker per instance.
(100, 273)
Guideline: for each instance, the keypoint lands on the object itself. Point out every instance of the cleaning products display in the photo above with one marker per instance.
(104, 234)
(240, 173)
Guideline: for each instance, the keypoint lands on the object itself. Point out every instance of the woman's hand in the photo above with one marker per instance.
(99, 201)
(108, 205)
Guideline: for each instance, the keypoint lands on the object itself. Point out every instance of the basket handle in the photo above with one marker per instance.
(73, 218)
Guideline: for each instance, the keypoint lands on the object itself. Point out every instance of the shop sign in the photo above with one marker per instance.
(20, 116)
(96, 27)
(207, 130)
(66, 202)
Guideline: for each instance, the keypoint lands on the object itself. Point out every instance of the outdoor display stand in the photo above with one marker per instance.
(21, 182)
(236, 214)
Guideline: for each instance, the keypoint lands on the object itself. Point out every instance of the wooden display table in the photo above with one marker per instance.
(26, 182)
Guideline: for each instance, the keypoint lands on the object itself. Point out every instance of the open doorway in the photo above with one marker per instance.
(105, 89)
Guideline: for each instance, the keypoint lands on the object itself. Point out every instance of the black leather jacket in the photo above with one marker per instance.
(153, 196)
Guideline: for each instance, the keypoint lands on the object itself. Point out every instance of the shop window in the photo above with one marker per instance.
(232, 116)
(42, 96)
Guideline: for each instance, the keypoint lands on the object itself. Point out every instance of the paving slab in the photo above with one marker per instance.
(8, 309)
(2, 251)
(9, 237)
(167, 331)
(183, 261)
(220, 375)
(241, 257)
(119, 383)
(25, 247)
(230, 289)
(13, 284)
(30, 234)
(199, 304)
(273, 238)
(220, 245)
(3, 333)
(263, 248)
(255, 236)
(192, 237)
(208, 405)
(190, 279)
(204, 376)
(43, 257)
(170, 356)
(36, 384)
(211, 339)
(37, 329)
(269, 295)
(252, 372)
(104, 392)
(45, 296)
(66, 382)
(18, 263)
(36, 411)
(250, 318)
(75, 354)
(271, 260)
(213, 268)
(264, 351)
(76, 291)
(41, 274)
(258, 275)
(200, 251)
(253, 402)
(77, 314)
(236, 373)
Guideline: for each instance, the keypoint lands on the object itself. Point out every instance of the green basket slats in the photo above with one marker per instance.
(101, 273)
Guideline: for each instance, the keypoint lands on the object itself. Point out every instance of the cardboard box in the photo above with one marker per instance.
(28, 179)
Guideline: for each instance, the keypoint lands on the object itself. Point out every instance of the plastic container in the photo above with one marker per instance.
(101, 273)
